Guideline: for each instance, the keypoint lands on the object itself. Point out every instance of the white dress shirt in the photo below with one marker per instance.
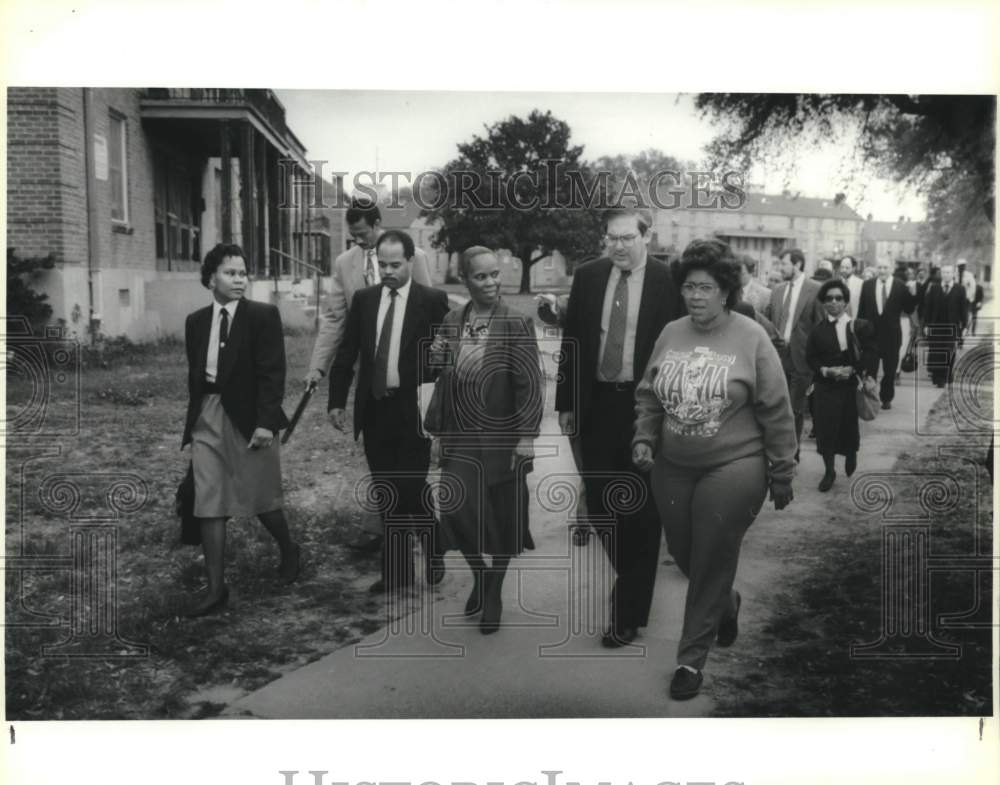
(635, 280)
(371, 268)
(402, 293)
(796, 291)
(212, 363)
(840, 325)
(854, 283)
(879, 300)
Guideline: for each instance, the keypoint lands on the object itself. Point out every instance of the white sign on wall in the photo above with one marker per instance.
(101, 156)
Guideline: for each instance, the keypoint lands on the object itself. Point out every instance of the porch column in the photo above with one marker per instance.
(248, 217)
(225, 154)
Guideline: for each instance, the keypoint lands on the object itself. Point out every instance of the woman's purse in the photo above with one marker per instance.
(866, 395)
(184, 507)
(434, 420)
(909, 363)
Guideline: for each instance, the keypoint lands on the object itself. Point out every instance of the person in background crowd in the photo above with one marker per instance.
(794, 311)
(617, 307)
(839, 351)
(822, 274)
(236, 382)
(977, 304)
(883, 302)
(867, 274)
(752, 291)
(774, 277)
(385, 324)
(747, 310)
(945, 312)
(354, 269)
(923, 281)
(908, 321)
(714, 427)
(848, 273)
(495, 402)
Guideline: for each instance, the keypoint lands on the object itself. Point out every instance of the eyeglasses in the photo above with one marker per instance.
(833, 298)
(706, 289)
(627, 240)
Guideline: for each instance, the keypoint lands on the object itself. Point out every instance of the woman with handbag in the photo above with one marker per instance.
(486, 413)
(841, 354)
(236, 381)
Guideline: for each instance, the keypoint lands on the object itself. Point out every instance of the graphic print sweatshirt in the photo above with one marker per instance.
(709, 397)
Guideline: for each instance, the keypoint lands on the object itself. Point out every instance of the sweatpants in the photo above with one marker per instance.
(705, 513)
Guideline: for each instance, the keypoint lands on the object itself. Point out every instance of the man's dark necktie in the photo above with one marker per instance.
(223, 337)
(614, 346)
(785, 305)
(380, 382)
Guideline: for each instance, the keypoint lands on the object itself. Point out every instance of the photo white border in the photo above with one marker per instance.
(549, 45)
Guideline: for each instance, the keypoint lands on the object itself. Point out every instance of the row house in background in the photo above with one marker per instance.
(899, 241)
(127, 188)
(764, 226)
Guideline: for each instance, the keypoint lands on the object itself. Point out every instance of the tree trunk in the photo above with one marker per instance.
(526, 262)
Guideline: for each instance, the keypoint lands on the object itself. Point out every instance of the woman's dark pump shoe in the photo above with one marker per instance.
(827, 482)
(209, 606)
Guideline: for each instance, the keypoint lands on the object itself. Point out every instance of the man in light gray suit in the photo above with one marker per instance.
(795, 310)
(355, 269)
(848, 272)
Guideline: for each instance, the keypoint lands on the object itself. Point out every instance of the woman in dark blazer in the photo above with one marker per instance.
(493, 394)
(839, 352)
(236, 381)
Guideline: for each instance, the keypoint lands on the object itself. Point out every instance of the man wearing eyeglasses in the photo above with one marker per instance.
(883, 300)
(794, 310)
(617, 307)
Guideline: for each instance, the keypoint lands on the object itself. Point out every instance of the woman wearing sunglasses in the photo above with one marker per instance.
(714, 425)
(838, 350)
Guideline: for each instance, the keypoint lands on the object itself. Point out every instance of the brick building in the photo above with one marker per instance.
(126, 188)
(764, 225)
(899, 241)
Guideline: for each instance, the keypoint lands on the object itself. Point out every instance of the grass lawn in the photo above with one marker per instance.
(132, 416)
(132, 404)
(803, 666)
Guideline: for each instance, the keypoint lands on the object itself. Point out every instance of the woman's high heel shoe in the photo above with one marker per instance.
(208, 606)
(474, 604)
(492, 605)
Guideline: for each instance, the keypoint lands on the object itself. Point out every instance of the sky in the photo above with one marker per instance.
(356, 131)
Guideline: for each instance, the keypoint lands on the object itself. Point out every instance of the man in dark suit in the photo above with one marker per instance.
(617, 307)
(884, 299)
(794, 311)
(384, 325)
(945, 313)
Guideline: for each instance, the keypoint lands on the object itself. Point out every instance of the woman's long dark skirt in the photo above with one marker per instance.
(835, 417)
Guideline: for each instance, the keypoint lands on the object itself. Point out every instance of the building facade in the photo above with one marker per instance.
(765, 225)
(126, 188)
(901, 242)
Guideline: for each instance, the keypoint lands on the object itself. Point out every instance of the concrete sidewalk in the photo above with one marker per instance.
(547, 661)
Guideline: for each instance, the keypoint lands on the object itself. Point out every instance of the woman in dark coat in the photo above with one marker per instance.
(494, 392)
(236, 381)
(839, 351)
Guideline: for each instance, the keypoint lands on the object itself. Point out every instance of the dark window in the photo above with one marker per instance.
(117, 168)
(177, 209)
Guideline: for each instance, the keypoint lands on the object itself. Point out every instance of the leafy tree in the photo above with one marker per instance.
(643, 166)
(517, 187)
(22, 299)
(940, 145)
